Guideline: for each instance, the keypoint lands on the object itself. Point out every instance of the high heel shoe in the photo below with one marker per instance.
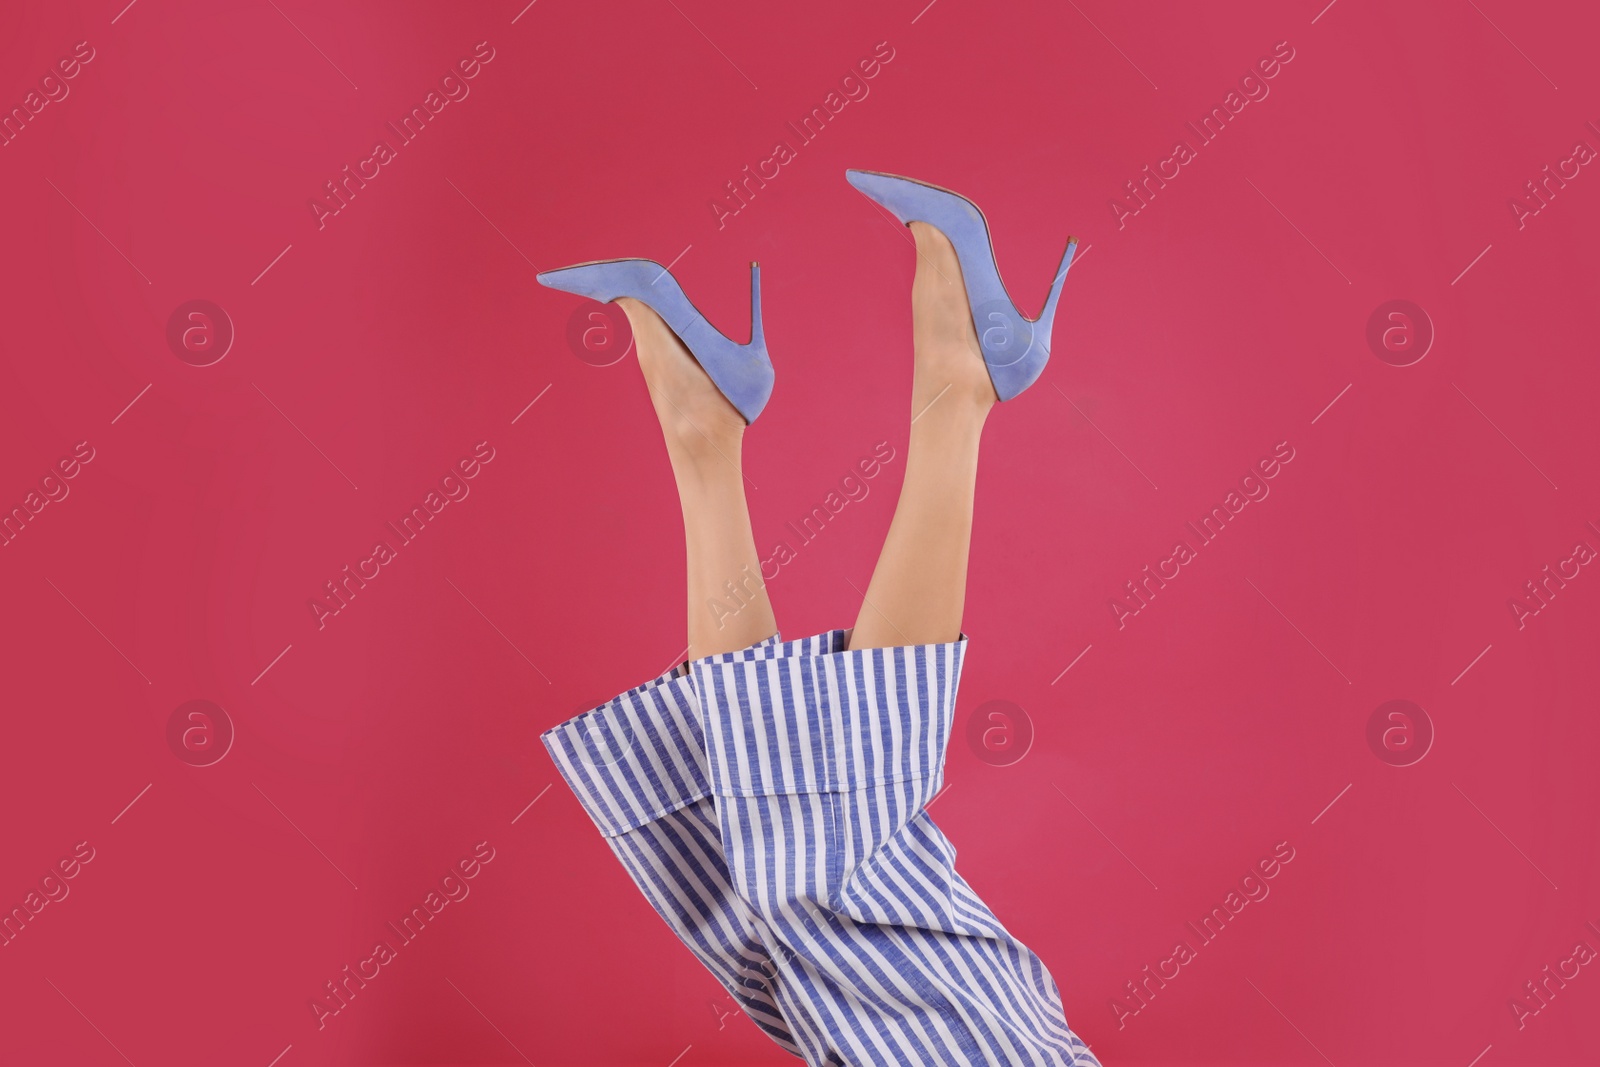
(743, 373)
(1015, 349)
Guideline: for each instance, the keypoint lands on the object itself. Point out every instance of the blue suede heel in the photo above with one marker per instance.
(1015, 349)
(742, 372)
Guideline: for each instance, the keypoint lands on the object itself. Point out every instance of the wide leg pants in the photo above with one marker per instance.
(770, 805)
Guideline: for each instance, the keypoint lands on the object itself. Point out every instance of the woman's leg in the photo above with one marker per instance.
(920, 583)
(728, 605)
(636, 763)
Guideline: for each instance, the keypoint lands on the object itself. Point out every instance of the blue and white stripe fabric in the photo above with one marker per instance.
(770, 804)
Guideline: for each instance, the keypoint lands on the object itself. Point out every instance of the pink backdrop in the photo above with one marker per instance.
(1222, 721)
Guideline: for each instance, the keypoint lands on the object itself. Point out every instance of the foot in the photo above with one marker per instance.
(949, 364)
(695, 416)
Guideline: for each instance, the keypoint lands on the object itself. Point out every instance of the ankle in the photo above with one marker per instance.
(945, 437)
(962, 400)
(694, 448)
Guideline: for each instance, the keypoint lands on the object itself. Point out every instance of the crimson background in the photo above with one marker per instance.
(1175, 753)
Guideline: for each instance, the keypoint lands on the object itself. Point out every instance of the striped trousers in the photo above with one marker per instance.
(770, 805)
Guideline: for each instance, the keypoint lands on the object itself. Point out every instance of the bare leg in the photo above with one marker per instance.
(728, 605)
(920, 583)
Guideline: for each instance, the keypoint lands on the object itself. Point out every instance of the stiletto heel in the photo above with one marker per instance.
(1015, 348)
(743, 373)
